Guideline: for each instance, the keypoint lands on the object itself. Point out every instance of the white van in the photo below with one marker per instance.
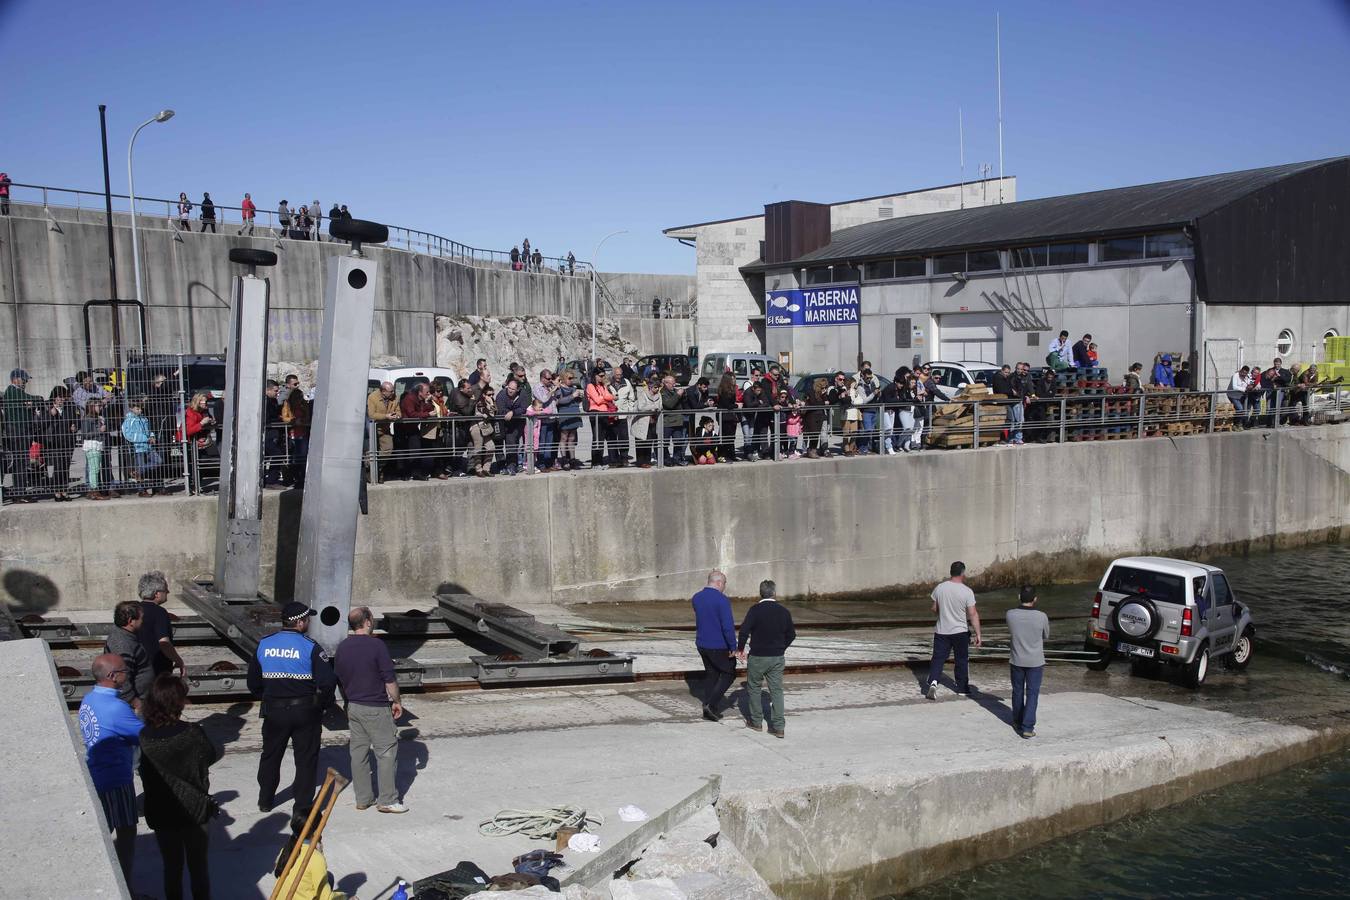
(408, 376)
(739, 364)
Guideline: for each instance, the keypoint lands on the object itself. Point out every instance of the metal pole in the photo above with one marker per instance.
(373, 443)
(161, 116)
(975, 439)
(1141, 398)
(594, 256)
(1063, 411)
(1213, 405)
(112, 251)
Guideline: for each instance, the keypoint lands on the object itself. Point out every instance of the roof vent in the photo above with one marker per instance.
(885, 212)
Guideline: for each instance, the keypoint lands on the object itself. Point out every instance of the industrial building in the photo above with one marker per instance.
(1222, 269)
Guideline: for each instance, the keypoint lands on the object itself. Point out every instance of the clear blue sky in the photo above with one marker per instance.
(488, 123)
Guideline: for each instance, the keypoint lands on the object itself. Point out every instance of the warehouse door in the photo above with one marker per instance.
(971, 337)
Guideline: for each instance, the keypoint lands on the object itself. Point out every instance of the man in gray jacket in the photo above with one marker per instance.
(125, 641)
(1029, 628)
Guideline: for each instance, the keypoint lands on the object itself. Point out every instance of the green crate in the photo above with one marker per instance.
(1336, 349)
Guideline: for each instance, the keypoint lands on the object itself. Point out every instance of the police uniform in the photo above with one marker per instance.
(295, 680)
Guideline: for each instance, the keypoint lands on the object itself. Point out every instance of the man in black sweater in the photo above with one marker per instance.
(768, 629)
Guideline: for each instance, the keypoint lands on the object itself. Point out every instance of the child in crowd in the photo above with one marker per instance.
(791, 425)
(1092, 354)
(705, 442)
(533, 427)
(136, 429)
(92, 429)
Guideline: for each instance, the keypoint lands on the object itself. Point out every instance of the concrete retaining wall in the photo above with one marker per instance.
(828, 527)
(46, 276)
(57, 844)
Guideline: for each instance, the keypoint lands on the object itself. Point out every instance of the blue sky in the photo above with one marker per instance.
(488, 123)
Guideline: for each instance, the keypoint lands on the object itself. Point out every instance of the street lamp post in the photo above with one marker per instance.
(163, 115)
(594, 257)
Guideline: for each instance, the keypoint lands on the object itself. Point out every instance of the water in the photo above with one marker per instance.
(1287, 835)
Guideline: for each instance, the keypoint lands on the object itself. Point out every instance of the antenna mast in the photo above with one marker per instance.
(961, 137)
(998, 59)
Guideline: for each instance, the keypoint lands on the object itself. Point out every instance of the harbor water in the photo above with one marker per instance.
(1285, 835)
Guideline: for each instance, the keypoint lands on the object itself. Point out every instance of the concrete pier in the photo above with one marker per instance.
(874, 790)
(828, 527)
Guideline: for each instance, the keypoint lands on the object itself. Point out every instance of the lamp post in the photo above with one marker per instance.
(594, 257)
(163, 115)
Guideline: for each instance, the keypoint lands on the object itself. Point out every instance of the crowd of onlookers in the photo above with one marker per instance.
(92, 436)
(300, 223)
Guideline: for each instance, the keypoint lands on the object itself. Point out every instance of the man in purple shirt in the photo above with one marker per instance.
(715, 638)
(366, 676)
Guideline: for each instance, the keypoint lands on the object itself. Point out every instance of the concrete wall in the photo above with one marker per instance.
(46, 275)
(57, 844)
(830, 527)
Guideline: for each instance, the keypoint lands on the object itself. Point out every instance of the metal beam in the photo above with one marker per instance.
(505, 625)
(328, 517)
(240, 623)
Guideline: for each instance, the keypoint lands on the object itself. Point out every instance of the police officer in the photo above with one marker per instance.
(296, 683)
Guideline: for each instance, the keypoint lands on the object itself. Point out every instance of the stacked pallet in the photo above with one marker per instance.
(954, 423)
(1170, 412)
(1224, 417)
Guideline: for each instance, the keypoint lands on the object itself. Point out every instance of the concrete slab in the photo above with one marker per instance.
(56, 843)
(468, 755)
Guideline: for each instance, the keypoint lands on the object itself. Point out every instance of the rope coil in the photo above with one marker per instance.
(539, 824)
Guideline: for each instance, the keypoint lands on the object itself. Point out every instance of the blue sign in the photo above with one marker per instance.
(837, 305)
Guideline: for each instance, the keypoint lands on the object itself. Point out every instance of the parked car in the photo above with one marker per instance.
(404, 378)
(804, 382)
(739, 364)
(1158, 611)
(675, 363)
(952, 376)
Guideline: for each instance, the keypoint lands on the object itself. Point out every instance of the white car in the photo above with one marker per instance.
(952, 376)
(405, 377)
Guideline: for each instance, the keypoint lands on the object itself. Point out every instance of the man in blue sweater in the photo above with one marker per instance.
(716, 642)
(111, 733)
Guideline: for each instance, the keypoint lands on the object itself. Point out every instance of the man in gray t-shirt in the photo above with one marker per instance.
(954, 604)
(1029, 627)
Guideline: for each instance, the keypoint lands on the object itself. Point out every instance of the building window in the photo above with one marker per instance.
(1168, 244)
(983, 261)
(911, 267)
(1284, 344)
(831, 274)
(876, 271)
(1068, 254)
(1028, 257)
(1120, 249)
(947, 263)
(974, 261)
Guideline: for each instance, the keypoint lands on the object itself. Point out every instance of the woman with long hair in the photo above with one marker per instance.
(726, 418)
(60, 425)
(600, 400)
(197, 425)
(569, 419)
(297, 412)
(176, 758)
(813, 417)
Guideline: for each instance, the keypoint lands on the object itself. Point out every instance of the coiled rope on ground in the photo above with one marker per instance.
(539, 824)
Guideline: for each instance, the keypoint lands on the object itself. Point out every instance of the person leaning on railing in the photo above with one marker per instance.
(382, 408)
(461, 402)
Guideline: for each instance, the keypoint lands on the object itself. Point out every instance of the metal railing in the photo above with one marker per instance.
(267, 223)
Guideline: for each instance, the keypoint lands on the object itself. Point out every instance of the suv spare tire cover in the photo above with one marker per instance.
(1136, 619)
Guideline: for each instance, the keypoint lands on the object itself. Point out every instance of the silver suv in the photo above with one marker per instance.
(1167, 611)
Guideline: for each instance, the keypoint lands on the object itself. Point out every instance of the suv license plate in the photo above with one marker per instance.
(1137, 651)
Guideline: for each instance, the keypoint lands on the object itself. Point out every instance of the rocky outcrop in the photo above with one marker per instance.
(535, 342)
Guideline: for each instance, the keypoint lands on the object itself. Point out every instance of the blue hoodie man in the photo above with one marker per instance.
(716, 641)
(1162, 372)
(111, 732)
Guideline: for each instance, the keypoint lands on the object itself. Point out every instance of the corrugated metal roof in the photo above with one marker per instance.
(1145, 206)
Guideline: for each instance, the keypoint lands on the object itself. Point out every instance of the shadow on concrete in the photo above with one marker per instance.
(289, 504)
(30, 592)
(413, 757)
(225, 727)
(239, 863)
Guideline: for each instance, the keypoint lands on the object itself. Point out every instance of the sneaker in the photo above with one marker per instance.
(710, 714)
(890, 451)
(931, 693)
(1029, 733)
(754, 727)
(794, 455)
(777, 734)
(393, 808)
(361, 806)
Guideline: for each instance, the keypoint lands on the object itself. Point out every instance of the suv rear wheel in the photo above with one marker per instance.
(1241, 656)
(1194, 673)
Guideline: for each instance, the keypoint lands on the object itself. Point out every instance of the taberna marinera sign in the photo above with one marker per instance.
(834, 305)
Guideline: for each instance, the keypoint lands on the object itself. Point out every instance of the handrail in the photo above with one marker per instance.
(400, 238)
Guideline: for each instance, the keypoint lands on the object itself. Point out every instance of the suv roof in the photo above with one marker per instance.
(965, 364)
(1164, 564)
